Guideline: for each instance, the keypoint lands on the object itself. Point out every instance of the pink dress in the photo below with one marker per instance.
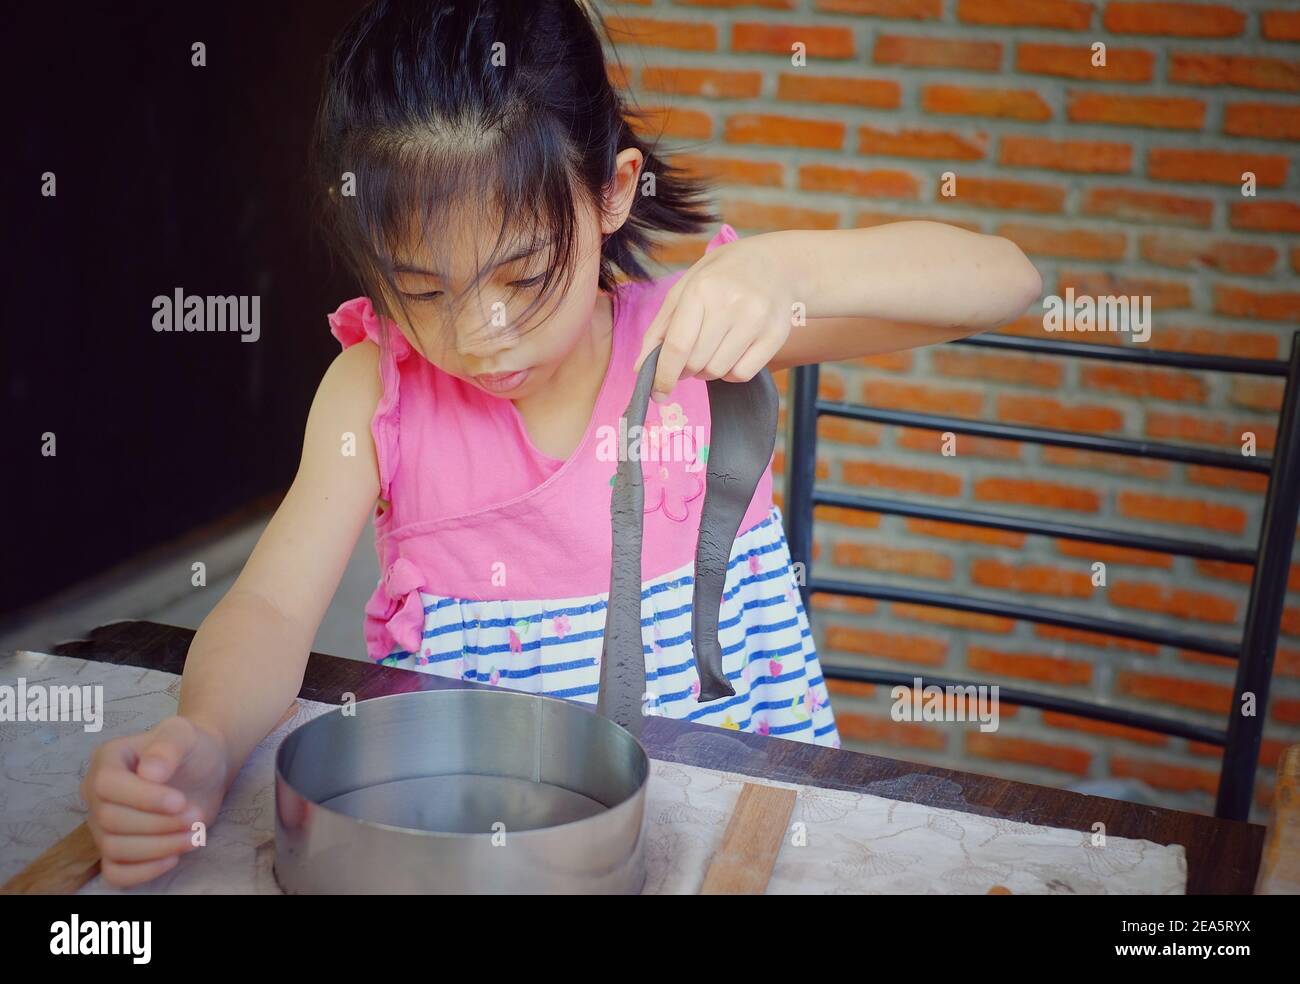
(495, 557)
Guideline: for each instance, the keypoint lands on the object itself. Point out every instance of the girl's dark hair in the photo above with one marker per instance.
(503, 106)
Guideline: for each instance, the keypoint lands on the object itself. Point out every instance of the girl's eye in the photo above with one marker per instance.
(529, 282)
(428, 296)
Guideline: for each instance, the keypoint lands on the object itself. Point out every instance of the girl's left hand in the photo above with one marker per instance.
(725, 318)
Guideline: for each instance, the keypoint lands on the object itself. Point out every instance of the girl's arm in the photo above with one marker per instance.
(898, 286)
(246, 663)
(859, 291)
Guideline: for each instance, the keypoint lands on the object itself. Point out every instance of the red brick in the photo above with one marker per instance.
(894, 395)
(922, 480)
(843, 603)
(1039, 579)
(1028, 666)
(1163, 775)
(711, 83)
(767, 216)
(1023, 370)
(1192, 252)
(1155, 112)
(1269, 121)
(858, 518)
(928, 52)
(1286, 710)
(1224, 571)
(1267, 216)
(839, 89)
(1189, 20)
(733, 170)
(1078, 156)
(1287, 661)
(1142, 383)
(931, 441)
(671, 121)
(851, 688)
(1188, 512)
(1115, 464)
(951, 617)
(1062, 758)
(1021, 196)
(1028, 492)
(1199, 695)
(878, 183)
(1075, 243)
(1139, 205)
(865, 219)
(1072, 722)
(1093, 552)
(1185, 427)
(784, 131)
(886, 361)
(1016, 104)
(653, 32)
(893, 560)
(963, 533)
(1221, 478)
(1069, 15)
(1280, 25)
(853, 726)
(1164, 294)
(1204, 68)
(1240, 302)
(1251, 345)
(825, 41)
(1179, 602)
(1096, 639)
(1075, 62)
(932, 144)
(1043, 411)
(895, 646)
(902, 9)
(849, 431)
(1216, 166)
(1256, 393)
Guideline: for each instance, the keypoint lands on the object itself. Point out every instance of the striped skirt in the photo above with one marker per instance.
(553, 646)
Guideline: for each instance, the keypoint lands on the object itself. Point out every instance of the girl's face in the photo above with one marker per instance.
(476, 334)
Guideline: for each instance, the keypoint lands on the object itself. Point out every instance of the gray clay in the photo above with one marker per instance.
(743, 423)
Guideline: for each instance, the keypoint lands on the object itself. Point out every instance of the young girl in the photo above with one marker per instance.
(481, 179)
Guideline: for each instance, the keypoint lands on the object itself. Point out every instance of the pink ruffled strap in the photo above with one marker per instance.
(352, 322)
(725, 235)
(356, 319)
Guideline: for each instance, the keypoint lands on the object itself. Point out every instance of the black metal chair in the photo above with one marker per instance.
(1271, 558)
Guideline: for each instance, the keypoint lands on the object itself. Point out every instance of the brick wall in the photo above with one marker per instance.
(1123, 179)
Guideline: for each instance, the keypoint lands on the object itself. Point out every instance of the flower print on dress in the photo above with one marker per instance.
(560, 624)
(672, 418)
(671, 473)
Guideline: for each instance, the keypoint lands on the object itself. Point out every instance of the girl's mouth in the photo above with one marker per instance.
(502, 382)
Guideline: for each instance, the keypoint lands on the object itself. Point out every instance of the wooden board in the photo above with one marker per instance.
(61, 870)
(743, 863)
(1279, 865)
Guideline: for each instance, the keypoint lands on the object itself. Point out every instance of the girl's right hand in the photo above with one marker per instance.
(145, 792)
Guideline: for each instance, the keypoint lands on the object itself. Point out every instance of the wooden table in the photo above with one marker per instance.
(1222, 855)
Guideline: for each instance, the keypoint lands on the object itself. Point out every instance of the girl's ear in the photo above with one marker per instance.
(621, 192)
